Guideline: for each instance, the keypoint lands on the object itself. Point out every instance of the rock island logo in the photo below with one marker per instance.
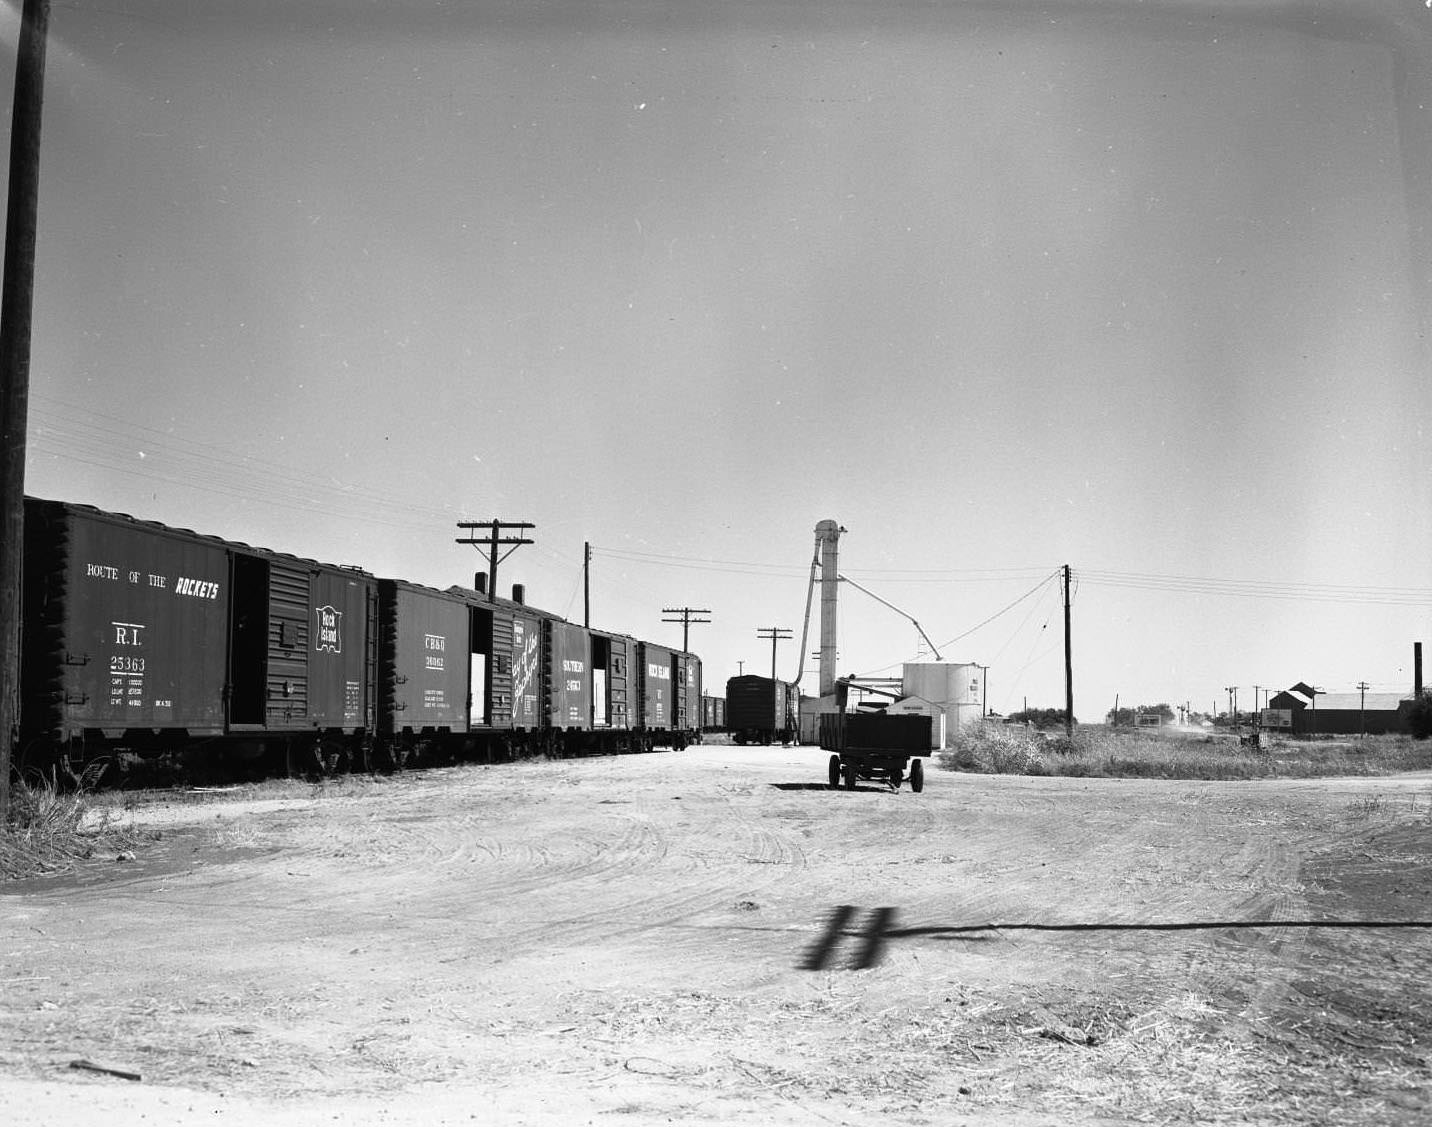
(329, 635)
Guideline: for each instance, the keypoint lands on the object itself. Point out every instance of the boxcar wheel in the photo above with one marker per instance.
(917, 776)
(834, 771)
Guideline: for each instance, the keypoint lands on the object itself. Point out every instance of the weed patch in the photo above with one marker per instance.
(43, 832)
(1101, 753)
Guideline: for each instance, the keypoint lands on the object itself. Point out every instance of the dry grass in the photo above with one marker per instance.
(46, 831)
(1174, 1059)
(1104, 753)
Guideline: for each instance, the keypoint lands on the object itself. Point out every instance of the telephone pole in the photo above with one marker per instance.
(587, 584)
(494, 540)
(775, 634)
(1362, 687)
(1068, 664)
(16, 305)
(685, 618)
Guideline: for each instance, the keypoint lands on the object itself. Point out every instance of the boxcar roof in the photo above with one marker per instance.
(158, 526)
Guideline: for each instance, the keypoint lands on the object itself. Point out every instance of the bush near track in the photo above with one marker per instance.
(47, 830)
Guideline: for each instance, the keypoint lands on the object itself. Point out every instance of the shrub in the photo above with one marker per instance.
(997, 749)
(43, 831)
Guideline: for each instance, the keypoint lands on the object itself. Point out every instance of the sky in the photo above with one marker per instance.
(1137, 287)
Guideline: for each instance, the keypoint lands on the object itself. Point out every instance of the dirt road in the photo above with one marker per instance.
(714, 936)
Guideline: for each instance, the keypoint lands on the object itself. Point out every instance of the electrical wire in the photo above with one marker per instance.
(1252, 588)
(959, 637)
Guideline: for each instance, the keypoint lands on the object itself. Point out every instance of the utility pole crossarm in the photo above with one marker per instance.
(685, 617)
(897, 610)
(492, 541)
(775, 634)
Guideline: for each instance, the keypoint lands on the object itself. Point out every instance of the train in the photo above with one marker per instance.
(762, 710)
(141, 641)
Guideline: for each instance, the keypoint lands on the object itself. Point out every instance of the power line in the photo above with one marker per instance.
(959, 637)
(905, 575)
(1253, 588)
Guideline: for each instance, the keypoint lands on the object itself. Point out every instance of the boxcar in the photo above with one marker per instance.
(761, 710)
(611, 664)
(668, 695)
(143, 639)
(424, 664)
(713, 714)
(550, 686)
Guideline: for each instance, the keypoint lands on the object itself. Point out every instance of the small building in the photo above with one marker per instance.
(1341, 714)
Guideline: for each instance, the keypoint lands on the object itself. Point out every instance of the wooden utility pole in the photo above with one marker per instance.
(494, 540)
(587, 584)
(1068, 664)
(16, 305)
(775, 634)
(686, 620)
(1362, 687)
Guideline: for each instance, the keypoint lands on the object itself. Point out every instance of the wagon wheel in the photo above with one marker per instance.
(917, 776)
(834, 771)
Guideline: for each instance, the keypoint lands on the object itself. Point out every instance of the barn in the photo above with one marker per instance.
(1342, 713)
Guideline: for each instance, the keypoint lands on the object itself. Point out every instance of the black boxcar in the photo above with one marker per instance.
(569, 678)
(510, 673)
(144, 638)
(713, 714)
(668, 695)
(424, 665)
(612, 658)
(762, 710)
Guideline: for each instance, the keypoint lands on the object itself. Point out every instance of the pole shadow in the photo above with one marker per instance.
(871, 936)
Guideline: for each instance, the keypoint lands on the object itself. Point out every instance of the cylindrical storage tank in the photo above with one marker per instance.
(957, 688)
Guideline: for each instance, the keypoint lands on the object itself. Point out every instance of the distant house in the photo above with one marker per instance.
(1342, 714)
